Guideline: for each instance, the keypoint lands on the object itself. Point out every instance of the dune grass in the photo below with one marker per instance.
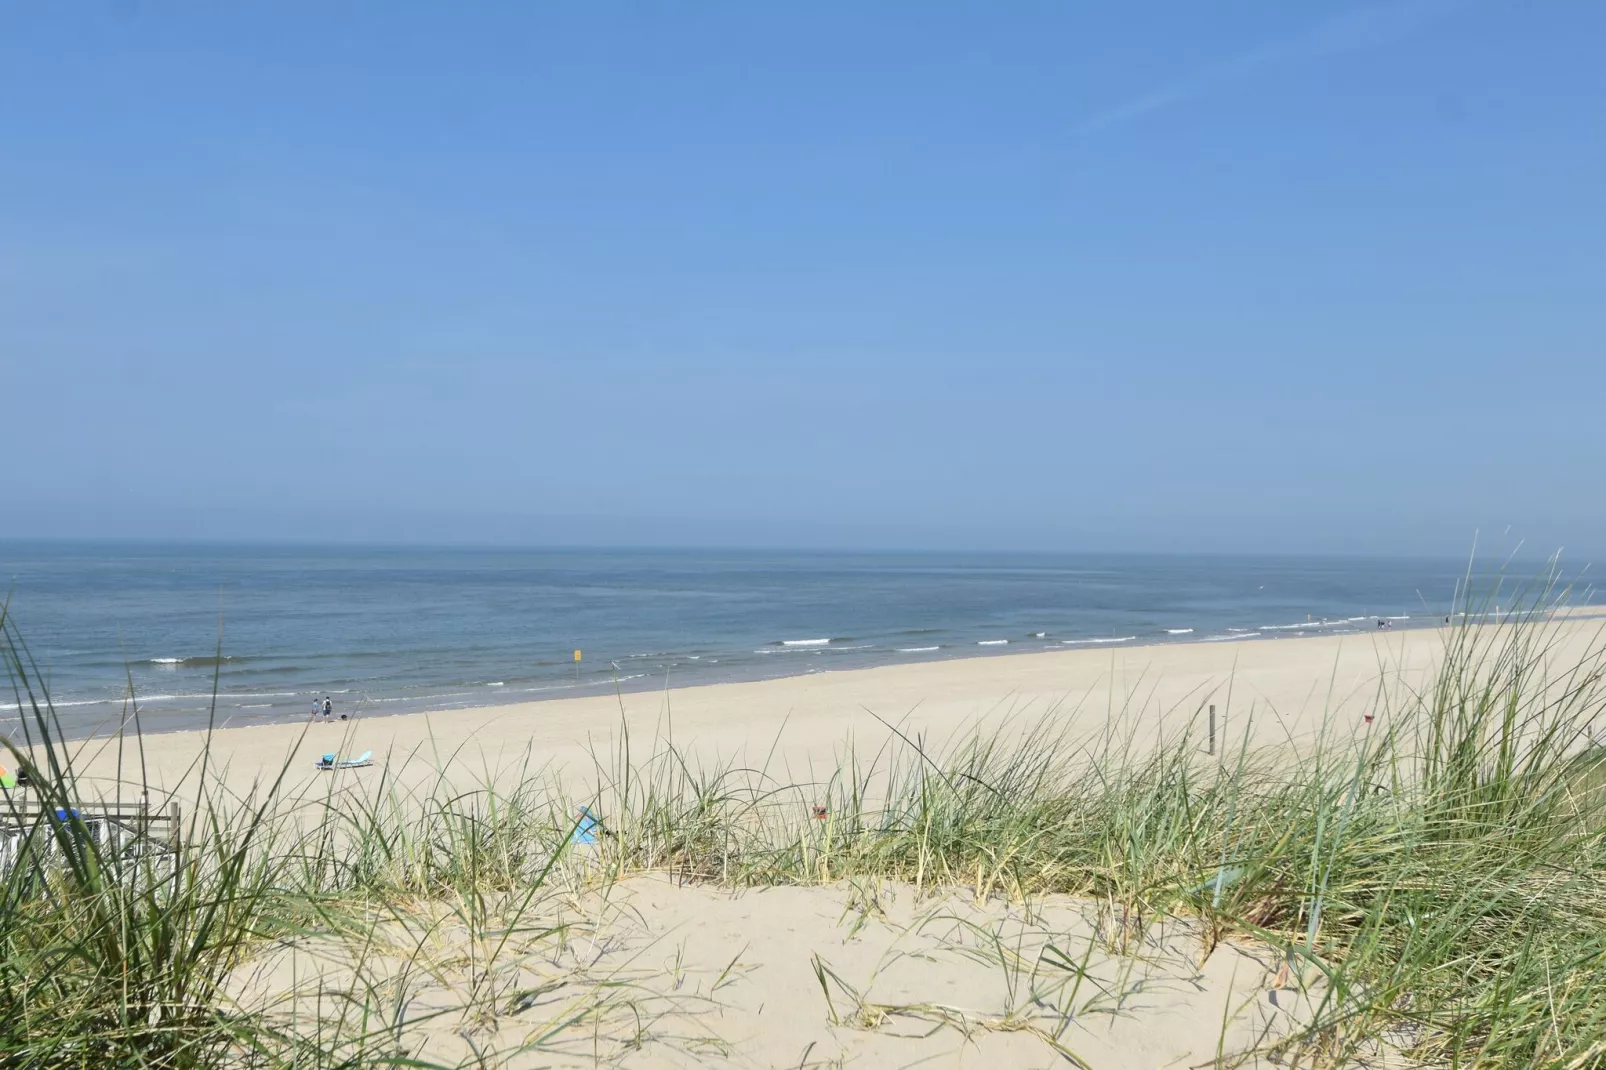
(1435, 880)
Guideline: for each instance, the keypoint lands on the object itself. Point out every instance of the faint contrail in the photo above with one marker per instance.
(1352, 31)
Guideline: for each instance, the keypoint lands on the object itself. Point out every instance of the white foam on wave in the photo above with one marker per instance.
(1179, 631)
(63, 705)
(806, 646)
(917, 649)
(1230, 635)
(167, 661)
(1039, 635)
(143, 700)
(496, 683)
(991, 642)
(1110, 639)
(146, 700)
(1311, 625)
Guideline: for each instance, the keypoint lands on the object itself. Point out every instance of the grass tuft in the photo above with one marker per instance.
(1433, 883)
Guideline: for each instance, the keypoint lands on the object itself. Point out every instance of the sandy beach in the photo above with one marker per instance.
(1286, 689)
(650, 969)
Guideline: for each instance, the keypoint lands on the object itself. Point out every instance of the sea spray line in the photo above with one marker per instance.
(428, 659)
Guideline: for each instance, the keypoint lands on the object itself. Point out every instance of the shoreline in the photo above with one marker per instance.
(982, 650)
(790, 867)
(649, 683)
(1284, 689)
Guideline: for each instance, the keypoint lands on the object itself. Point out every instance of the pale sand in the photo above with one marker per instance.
(649, 974)
(1288, 688)
(654, 975)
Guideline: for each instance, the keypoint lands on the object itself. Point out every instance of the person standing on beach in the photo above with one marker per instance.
(328, 709)
(317, 707)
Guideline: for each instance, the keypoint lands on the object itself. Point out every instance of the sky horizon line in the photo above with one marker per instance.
(1520, 555)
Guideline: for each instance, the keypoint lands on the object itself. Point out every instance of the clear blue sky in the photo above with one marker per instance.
(1251, 276)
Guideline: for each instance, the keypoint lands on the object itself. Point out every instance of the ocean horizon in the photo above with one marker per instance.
(400, 629)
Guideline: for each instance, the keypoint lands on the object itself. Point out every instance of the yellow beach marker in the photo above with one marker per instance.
(576, 666)
(576, 655)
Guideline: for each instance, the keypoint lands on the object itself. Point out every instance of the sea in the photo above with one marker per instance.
(383, 630)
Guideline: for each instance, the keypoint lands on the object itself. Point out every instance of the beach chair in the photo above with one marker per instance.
(363, 760)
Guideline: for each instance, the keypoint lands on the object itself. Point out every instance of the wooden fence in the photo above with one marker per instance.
(115, 828)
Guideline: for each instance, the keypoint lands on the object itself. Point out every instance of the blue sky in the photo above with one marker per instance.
(1248, 276)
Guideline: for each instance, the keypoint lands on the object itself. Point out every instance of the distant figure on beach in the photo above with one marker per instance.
(328, 709)
(317, 708)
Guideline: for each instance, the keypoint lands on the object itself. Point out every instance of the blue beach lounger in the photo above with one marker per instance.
(366, 758)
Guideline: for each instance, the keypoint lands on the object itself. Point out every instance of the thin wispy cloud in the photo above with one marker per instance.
(1351, 31)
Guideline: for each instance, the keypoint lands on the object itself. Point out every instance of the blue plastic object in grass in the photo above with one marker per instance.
(585, 831)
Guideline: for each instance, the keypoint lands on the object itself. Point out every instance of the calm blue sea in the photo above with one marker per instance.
(396, 630)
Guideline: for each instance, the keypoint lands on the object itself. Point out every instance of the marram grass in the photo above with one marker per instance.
(1439, 882)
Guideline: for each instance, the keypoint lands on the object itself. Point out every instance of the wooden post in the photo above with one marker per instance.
(176, 835)
(1212, 730)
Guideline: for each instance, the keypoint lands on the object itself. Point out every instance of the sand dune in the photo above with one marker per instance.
(652, 974)
(643, 970)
